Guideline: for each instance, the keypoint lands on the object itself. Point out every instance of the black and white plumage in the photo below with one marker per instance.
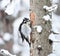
(25, 30)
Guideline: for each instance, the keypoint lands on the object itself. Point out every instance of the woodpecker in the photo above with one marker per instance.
(25, 30)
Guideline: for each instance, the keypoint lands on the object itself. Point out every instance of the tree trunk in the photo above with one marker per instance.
(42, 38)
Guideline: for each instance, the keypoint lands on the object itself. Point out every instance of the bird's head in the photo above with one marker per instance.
(26, 21)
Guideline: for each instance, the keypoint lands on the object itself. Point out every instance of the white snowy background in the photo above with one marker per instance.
(12, 9)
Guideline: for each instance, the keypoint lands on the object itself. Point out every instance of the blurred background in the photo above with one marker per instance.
(11, 13)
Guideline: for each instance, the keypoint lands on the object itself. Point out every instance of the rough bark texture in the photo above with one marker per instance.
(40, 39)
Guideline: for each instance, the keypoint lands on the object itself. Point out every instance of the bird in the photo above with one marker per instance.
(25, 30)
(5, 53)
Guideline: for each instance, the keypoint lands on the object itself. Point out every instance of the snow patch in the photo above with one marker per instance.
(7, 37)
(38, 28)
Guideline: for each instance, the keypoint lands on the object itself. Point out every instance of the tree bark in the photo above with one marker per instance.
(40, 39)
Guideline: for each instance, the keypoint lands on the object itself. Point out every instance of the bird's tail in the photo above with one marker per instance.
(23, 37)
(28, 41)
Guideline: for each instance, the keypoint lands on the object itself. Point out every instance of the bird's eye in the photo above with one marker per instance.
(24, 21)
